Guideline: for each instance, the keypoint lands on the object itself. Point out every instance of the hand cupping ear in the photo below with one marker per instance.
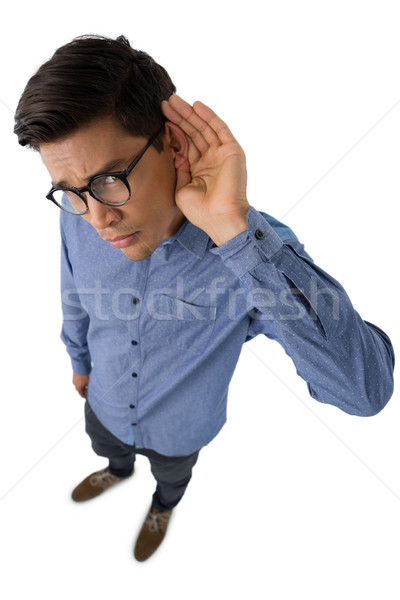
(211, 178)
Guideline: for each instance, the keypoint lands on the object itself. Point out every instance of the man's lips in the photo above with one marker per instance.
(122, 241)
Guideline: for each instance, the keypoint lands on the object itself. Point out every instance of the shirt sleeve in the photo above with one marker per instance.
(345, 361)
(75, 319)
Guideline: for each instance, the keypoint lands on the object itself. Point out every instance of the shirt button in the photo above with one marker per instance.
(131, 406)
(259, 234)
(135, 300)
(134, 374)
(133, 424)
(134, 342)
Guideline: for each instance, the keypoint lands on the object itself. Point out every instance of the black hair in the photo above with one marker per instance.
(90, 77)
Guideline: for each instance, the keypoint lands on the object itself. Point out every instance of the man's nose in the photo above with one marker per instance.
(100, 215)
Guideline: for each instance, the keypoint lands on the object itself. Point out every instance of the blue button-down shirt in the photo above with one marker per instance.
(161, 337)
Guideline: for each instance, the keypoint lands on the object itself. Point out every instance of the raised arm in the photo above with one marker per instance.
(345, 360)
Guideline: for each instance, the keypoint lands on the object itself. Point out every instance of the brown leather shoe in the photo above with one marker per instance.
(152, 533)
(95, 484)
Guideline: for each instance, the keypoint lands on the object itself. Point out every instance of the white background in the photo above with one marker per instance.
(293, 499)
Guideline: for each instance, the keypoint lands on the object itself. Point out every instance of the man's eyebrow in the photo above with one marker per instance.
(109, 167)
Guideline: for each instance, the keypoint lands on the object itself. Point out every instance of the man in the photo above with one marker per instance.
(167, 270)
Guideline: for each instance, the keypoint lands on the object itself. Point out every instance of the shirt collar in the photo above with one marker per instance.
(191, 238)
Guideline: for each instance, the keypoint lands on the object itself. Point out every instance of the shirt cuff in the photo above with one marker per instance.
(257, 244)
(81, 367)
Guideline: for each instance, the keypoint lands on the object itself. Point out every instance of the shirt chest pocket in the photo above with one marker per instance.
(172, 322)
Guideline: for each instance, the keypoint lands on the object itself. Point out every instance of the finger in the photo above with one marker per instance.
(81, 390)
(194, 135)
(194, 153)
(219, 126)
(181, 113)
(194, 119)
(214, 129)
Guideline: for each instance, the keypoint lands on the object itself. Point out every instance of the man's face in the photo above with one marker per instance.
(150, 214)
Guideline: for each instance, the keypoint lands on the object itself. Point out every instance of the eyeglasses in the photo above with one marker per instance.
(112, 189)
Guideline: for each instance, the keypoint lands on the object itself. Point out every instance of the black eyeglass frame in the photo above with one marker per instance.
(122, 175)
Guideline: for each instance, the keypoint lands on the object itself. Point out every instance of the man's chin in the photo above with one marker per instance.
(137, 252)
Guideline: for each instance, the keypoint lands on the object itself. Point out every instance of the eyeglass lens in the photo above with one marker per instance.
(109, 189)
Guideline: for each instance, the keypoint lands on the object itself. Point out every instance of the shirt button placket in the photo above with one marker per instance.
(134, 354)
(138, 283)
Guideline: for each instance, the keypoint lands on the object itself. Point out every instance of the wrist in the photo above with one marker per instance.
(228, 228)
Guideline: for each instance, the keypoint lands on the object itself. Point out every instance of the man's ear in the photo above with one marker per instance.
(176, 140)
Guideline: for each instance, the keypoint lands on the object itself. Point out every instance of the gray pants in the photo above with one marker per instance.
(172, 473)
